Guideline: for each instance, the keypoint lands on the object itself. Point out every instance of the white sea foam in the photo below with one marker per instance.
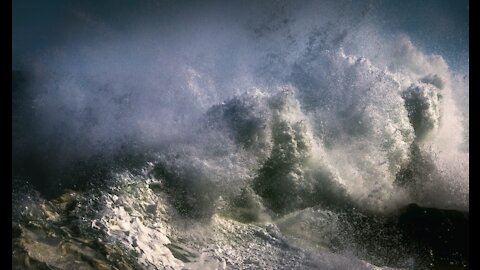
(257, 125)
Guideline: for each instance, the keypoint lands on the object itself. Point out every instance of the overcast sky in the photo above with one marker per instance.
(436, 26)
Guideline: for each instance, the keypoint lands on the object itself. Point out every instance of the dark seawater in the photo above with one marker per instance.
(308, 139)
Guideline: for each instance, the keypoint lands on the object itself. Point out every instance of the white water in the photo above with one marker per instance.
(313, 107)
(345, 87)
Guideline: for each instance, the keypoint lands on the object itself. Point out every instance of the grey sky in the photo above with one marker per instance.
(436, 26)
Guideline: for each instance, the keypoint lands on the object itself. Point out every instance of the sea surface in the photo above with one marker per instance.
(305, 139)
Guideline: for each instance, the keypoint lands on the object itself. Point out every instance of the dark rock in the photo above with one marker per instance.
(443, 234)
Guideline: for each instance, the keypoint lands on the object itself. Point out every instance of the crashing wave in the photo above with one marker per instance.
(297, 150)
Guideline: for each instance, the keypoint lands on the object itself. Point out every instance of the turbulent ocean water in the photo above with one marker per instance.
(286, 137)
